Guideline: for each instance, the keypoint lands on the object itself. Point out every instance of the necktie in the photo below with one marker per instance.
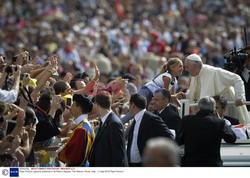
(130, 139)
(99, 128)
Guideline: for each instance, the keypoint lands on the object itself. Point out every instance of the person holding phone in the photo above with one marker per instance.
(11, 96)
(77, 147)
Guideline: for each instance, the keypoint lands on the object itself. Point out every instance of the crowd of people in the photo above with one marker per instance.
(100, 81)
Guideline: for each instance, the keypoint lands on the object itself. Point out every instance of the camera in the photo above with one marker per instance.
(235, 59)
(68, 101)
(9, 69)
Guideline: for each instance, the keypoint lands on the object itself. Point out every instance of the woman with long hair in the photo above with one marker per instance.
(167, 78)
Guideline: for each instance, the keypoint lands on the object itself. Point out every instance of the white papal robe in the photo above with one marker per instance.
(216, 81)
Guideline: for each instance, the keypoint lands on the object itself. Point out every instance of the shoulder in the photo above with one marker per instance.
(87, 126)
(114, 119)
(151, 116)
(215, 119)
(188, 117)
(173, 108)
(207, 69)
(166, 74)
(234, 121)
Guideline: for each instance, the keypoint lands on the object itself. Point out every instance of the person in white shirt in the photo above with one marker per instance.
(11, 96)
(207, 80)
(145, 126)
(166, 79)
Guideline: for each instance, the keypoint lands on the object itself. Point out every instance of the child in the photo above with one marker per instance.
(167, 78)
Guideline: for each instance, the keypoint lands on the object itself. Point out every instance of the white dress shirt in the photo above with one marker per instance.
(104, 118)
(8, 96)
(161, 111)
(134, 151)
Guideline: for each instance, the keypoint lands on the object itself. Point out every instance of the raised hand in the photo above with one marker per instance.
(97, 73)
(20, 118)
(68, 77)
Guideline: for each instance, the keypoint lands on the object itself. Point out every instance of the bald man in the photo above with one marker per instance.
(207, 80)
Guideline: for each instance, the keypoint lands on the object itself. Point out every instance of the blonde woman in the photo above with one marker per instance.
(165, 79)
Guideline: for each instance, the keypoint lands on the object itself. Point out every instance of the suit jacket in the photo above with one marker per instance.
(171, 118)
(151, 126)
(201, 135)
(232, 120)
(108, 149)
(247, 90)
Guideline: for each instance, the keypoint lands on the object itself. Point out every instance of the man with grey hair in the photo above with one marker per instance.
(207, 80)
(201, 134)
(161, 152)
(207, 104)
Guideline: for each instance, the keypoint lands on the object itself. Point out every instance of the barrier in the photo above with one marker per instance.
(186, 104)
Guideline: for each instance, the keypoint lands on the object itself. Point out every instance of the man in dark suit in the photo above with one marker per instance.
(145, 126)
(168, 112)
(201, 135)
(221, 107)
(245, 75)
(108, 149)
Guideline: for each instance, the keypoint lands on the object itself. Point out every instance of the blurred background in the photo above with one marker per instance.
(122, 35)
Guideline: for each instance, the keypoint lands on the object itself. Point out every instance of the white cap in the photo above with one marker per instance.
(194, 57)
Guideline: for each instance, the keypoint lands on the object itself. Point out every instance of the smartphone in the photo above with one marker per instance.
(68, 101)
